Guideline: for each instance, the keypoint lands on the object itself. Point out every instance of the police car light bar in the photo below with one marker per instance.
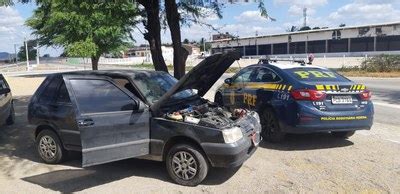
(267, 60)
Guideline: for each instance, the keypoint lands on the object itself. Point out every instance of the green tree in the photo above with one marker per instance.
(182, 12)
(31, 51)
(84, 29)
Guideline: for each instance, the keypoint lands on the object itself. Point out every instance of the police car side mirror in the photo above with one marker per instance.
(228, 81)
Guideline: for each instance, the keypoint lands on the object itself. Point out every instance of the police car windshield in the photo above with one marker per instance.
(155, 84)
(315, 75)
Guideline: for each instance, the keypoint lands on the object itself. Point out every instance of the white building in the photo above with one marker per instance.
(353, 41)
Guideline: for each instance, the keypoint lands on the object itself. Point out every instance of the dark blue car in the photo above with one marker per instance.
(298, 98)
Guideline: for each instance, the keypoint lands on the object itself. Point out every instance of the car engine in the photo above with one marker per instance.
(207, 114)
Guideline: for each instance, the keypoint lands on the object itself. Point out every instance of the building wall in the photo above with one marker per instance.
(379, 38)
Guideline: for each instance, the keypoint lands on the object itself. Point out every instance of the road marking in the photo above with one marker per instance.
(387, 105)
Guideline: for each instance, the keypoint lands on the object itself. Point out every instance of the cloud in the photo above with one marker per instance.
(303, 3)
(298, 10)
(250, 16)
(361, 12)
(11, 28)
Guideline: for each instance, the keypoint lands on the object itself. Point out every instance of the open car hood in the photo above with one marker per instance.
(202, 77)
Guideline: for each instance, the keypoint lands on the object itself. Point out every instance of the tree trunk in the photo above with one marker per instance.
(180, 54)
(153, 35)
(95, 62)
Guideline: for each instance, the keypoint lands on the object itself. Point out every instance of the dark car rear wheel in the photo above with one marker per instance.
(186, 165)
(271, 130)
(11, 117)
(218, 99)
(49, 147)
(343, 134)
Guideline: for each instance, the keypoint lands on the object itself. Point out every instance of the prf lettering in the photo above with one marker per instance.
(319, 74)
(249, 99)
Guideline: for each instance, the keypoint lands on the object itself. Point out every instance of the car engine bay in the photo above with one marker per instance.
(207, 114)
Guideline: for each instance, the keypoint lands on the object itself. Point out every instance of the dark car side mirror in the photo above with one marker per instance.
(228, 81)
(141, 106)
(5, 91)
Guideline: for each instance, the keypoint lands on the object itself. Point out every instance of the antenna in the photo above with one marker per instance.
(305, 17)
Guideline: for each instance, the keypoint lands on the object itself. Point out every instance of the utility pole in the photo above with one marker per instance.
(204, 46)
(15, 53)
(37, 53)
(28, 68)
(256, 43)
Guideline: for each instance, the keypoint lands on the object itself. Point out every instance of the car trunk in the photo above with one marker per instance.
(340, 96)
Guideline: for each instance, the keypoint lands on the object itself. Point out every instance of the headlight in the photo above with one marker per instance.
(257, 117)
(232, 135)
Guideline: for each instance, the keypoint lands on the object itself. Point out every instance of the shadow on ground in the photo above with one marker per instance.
(391, 97)
(307, 142)
(17, 144)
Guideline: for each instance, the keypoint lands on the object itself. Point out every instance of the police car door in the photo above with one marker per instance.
(112, 124)
(266, 84)
(233, 94)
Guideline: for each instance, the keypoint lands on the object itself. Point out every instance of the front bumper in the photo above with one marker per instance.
(230, 155)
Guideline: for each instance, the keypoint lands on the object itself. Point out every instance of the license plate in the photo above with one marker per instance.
(342, 100)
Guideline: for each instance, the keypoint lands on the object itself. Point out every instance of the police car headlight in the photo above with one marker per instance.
(257, 117)
(232, 135)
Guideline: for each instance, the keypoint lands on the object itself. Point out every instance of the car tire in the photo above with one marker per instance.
(49, 147)
(343, 134)
(182, 160)
(218, 99)
(271, 130)
(11, 118)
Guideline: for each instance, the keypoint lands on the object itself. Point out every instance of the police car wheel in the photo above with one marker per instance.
(270, 127)
(343, 134)
(186, 165)
(218, 99)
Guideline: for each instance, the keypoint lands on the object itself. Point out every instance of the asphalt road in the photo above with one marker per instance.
(368, 162)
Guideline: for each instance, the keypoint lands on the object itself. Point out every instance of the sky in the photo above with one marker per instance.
(240, 19)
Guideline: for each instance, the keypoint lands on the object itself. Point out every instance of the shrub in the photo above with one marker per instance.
(381, 63)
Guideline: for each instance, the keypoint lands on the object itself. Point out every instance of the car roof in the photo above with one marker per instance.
(121, 72)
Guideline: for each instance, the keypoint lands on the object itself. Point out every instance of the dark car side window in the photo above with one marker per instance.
(266, 75)
(97, 96)
(62, 95)
(47, 95)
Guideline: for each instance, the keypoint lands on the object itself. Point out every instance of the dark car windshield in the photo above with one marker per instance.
(315, 75)
(153, 85)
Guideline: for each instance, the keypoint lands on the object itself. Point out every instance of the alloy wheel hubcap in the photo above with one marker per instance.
(184, 165)
(47, 147)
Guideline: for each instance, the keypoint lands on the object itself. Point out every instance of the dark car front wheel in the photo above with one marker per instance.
(271, 130)
(186, 165)
(11, 116)
(343, 134)
(49, 147)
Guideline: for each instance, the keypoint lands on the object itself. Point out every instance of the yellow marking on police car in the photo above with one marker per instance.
(284, 86)
(343, 118)
(290, 88)
(249, 99)
(320, 87)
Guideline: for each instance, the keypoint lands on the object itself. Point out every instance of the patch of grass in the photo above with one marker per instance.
(369, 74)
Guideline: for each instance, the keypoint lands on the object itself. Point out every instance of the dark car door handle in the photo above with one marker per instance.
(238, 90)
(85, 122)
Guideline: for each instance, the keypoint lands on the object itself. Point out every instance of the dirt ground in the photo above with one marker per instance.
(368, 162)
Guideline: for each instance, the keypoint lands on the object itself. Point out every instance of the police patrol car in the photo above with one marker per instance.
(298, 98)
